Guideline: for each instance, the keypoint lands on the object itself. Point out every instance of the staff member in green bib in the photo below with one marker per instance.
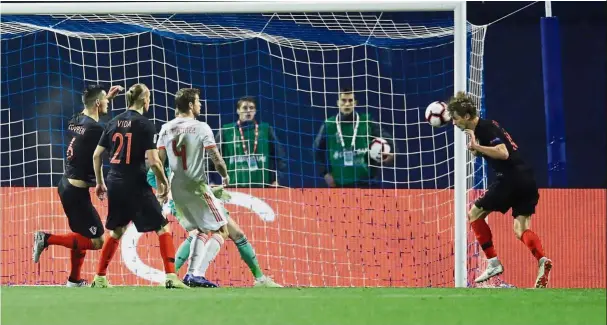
(342, 146)
(250, 149)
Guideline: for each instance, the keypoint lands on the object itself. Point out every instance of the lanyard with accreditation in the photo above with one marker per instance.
(250, 158)
(348, 154)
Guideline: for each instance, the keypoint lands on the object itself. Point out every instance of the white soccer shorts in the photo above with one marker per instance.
(197, 207)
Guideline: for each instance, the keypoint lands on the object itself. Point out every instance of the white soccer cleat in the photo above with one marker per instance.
(266, 282)
(543, 274)
(493, 269)
(38, 246)
(79, 284)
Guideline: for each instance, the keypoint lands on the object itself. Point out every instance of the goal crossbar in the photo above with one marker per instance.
(101, 7)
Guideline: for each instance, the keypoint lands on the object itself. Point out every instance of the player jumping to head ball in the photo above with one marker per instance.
(514, 187)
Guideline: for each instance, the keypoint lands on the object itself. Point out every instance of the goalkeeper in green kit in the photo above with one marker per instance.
(247, 253)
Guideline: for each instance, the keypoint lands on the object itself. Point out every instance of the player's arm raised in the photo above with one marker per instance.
(499, 151)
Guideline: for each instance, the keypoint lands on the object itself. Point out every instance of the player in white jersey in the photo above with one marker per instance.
(185, 141)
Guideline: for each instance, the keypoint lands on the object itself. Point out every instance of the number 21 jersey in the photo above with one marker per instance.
(186, 141)
(127, 137)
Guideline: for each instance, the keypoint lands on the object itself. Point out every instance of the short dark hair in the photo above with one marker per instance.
(346, 90)
(90, 94)
(245, 99)
(184, 97)
(462, 104)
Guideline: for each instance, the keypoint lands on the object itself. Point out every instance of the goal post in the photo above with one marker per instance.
(460, 201)
(462, 160)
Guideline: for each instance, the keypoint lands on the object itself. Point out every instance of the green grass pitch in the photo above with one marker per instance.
(347, 306)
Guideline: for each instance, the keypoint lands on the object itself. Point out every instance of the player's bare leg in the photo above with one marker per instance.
(532, 241)
(484, 237)
(247, 253)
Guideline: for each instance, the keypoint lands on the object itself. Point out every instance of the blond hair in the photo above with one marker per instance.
(136, 95)
(462, 104)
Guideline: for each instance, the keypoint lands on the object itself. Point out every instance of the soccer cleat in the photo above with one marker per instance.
(38, 245)
(543, 274)
(77, 284)
(187, 280)
(198, 282)
(493, 269)
(266, 282)
(100, 281)
(173, 282)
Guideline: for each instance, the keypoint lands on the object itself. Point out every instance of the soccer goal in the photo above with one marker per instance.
(294, 58)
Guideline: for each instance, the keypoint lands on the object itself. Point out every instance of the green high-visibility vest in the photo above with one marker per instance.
(347, 175)
(249, 169)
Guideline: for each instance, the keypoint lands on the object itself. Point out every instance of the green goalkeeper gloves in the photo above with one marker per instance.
(221, 193)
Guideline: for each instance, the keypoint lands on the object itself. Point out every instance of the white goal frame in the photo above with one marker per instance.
(460, 58)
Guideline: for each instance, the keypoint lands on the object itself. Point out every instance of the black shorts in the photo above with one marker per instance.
(518, 192)
(138, 204)
(78, 207)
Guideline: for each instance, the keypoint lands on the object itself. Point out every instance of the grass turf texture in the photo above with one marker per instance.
(225, 306)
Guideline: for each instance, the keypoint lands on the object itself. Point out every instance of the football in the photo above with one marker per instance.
(377, 147)
(437, 114)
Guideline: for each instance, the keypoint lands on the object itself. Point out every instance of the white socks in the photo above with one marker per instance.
(197, 252)
(211, 249)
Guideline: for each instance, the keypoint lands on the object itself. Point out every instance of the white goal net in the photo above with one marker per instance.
(397, 232)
